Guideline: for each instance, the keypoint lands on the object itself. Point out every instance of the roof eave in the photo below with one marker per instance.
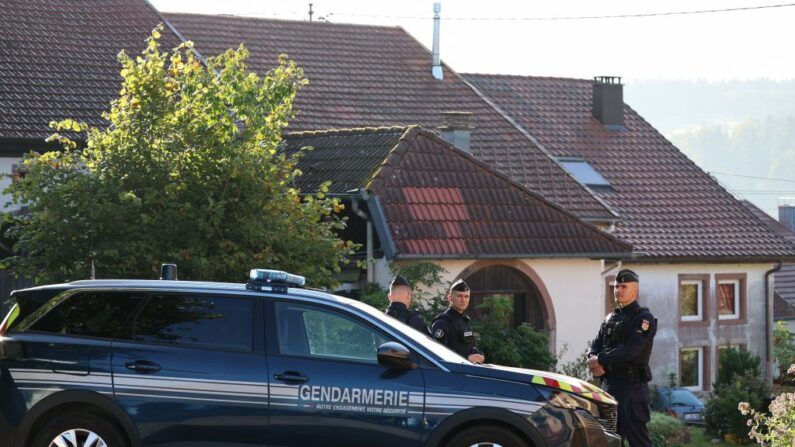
(455, 256)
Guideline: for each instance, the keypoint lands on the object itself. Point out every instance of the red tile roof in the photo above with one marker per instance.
(364, 76)
(58, 59)
(670, 208)
(441, 202)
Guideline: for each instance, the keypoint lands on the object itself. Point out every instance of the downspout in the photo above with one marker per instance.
(768, 318)
(359, 212)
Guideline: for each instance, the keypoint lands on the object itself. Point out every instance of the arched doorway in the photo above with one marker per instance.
(495, 280)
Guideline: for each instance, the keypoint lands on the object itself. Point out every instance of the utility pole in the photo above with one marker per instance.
(310, 12)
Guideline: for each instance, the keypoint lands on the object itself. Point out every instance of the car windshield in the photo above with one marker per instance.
(439, 350)
(680, 397)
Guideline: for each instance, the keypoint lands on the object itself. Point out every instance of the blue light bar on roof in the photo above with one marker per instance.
(277, 276)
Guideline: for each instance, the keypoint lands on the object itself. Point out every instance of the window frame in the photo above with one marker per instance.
(741, 298)
(700, 368)
(610, 300)
(701, 319)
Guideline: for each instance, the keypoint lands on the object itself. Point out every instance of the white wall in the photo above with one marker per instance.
(659, 290)
(575, 287)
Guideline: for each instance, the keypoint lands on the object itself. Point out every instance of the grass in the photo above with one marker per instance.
(699, 439)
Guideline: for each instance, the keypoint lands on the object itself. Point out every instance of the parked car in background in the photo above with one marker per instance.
(680, 403)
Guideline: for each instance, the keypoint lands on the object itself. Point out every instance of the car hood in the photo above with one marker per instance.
(544, 378)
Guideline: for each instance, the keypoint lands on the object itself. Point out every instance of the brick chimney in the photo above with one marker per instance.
(608, 101)
(457, 128)
(786, 215)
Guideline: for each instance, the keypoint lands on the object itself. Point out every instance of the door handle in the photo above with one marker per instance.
(292, 377)
(143, 366)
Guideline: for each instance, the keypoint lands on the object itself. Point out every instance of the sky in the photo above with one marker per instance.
(745, 44)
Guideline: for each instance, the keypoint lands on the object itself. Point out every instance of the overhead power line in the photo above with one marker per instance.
(560, 18)
(754, 177)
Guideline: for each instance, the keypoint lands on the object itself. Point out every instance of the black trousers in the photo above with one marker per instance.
(634, 411)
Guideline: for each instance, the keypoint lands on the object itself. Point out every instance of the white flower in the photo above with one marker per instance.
(743, 407)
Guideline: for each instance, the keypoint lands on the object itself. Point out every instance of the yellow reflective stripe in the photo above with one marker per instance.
(565, 386)
(9, 319)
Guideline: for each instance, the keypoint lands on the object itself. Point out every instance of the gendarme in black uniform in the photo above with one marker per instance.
(623, 347)
(411, 317)
(400, 311)
(452, 329)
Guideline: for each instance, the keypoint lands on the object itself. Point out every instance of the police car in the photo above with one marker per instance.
(128, 363)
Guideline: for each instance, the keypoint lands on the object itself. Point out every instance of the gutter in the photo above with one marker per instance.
(768, 319)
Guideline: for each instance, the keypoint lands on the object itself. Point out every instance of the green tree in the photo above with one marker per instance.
(502, 344)
(783, 349)
(189, 170)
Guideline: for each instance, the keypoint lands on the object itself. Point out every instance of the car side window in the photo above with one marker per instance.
(88, 314)
(314, 331)
(196, 321)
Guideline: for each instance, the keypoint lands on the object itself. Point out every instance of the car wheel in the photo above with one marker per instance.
(486, 436)
(79, 430)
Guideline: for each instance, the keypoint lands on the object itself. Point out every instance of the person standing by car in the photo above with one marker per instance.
(451, 327)
(620, 356)
(399, 301)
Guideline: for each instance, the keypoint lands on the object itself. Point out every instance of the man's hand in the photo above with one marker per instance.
(476, 358)
(595, 367)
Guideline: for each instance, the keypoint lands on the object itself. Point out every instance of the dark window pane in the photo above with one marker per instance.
(224, 323)
(690, 364)
(91, 314)
(688, 301)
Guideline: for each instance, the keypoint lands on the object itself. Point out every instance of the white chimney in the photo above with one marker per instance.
(436, 69)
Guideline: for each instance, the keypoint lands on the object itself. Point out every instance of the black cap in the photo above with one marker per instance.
(459, 286)
(625, 276)
(399, 281)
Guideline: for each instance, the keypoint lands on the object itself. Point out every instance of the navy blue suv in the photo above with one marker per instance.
(128, 363)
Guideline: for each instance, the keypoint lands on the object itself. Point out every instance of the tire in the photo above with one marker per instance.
(90, 430)
(486, 436)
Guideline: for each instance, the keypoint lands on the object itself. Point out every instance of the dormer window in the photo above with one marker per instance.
(585, 173)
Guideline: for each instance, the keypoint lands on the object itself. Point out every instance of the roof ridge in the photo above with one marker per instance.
(516, 76)
(402, 142)
(267, 19)
(350, 130)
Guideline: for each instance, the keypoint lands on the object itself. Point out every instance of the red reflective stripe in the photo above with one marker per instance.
(551, 382)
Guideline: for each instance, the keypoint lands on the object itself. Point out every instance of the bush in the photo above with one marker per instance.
(776, 429)
(665, 431)
(375, 296)
(522, 346)
(783, 350)
(734, 362)
(721, 415)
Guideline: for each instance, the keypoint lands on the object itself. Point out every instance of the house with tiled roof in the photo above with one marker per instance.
(784, 290)
(428, 200)
(703, 258)
(58, 61)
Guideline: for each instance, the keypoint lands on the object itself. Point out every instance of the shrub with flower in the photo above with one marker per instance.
(776, 429)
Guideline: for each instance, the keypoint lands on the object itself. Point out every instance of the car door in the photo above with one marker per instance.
(191, 371)
(327, 386)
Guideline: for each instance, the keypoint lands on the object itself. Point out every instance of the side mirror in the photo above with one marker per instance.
(394, 355)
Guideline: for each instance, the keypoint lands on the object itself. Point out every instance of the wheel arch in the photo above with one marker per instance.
(484, 416)
(78, 401)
